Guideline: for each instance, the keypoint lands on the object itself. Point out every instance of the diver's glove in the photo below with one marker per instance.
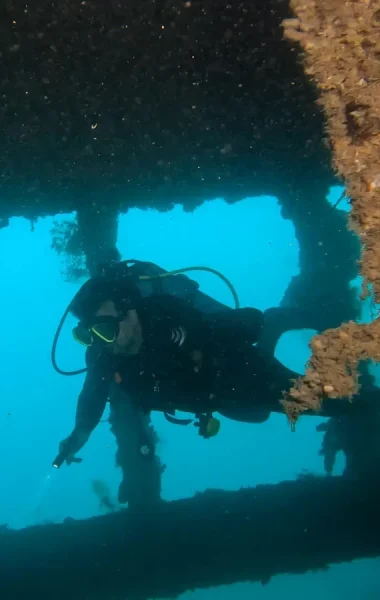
(69, 447)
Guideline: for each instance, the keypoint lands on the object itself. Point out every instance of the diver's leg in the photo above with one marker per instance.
(277, 321)
(246, 415)
(253, 386)
(282, 380)
(261, 384)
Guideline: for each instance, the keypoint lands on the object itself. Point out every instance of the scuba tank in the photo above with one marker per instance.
(149, 278)
(153, 279)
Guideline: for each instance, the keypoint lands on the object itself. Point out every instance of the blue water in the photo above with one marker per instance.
(256, 249)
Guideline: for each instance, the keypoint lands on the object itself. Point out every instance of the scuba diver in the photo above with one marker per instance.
(171, 348)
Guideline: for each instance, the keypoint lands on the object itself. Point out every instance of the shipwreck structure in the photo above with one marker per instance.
(108, 105)
(212, 539)
(342, 51)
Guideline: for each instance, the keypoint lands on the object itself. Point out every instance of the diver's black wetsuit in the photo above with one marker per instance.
(234, 377)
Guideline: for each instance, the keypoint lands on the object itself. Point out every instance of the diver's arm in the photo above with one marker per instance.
(90, 407)
(91, 402)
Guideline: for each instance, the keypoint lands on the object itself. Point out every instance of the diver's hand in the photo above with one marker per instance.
(68, 450)
(71, 445)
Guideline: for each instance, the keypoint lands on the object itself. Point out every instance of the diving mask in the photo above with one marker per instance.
(104, 329)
